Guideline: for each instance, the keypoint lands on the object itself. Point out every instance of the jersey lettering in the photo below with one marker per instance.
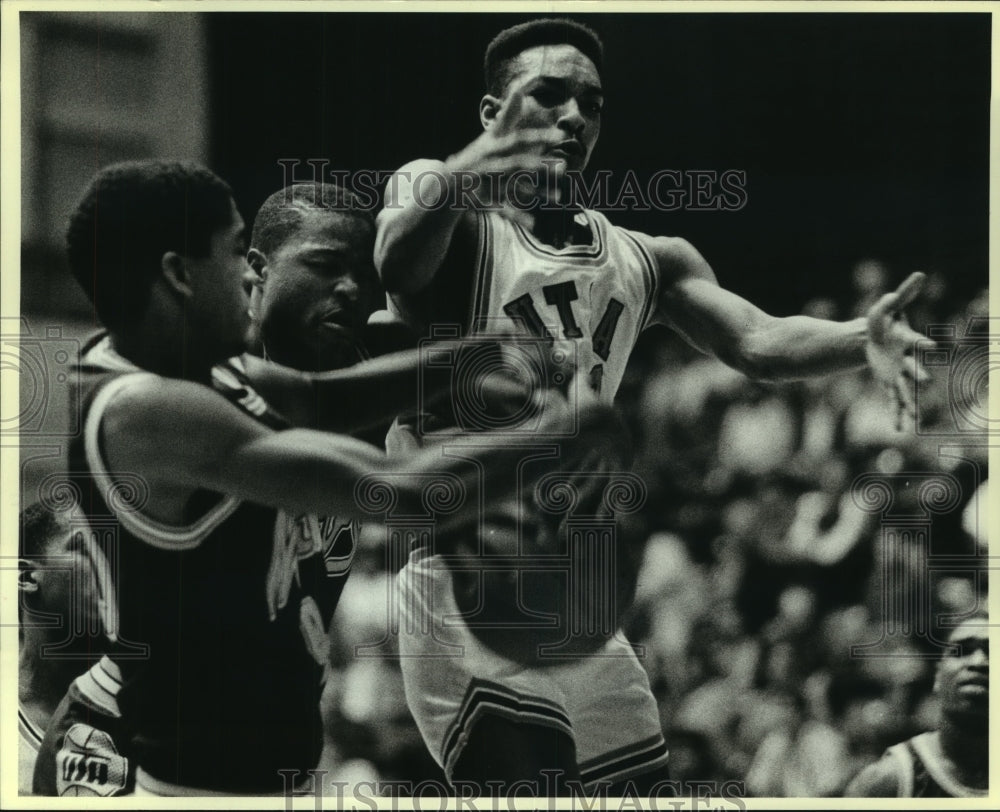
(522, 310)
(295, 538)
(561, 295)
(597, 378)
(606, 329)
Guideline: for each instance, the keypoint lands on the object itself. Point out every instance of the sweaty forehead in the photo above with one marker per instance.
(557, 61)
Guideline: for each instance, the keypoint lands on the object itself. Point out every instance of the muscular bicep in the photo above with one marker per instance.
(713, 320)
(177, 433)
(184, 436)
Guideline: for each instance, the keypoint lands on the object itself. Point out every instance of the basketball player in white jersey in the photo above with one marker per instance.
(457, 246)
(952, 761)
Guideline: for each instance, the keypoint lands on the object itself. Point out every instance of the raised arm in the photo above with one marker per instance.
(427, 201)
(765, 347)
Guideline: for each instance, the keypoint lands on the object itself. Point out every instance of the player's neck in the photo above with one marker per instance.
(561, 226)
(967, 750)
(156, 351)
(41, 683)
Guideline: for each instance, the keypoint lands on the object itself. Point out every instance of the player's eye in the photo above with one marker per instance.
(546, 96)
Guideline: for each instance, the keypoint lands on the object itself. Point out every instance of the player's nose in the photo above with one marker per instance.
(571, 118)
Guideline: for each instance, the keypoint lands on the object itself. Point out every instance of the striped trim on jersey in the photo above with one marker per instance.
(483, 274)
(937, 769)
(626, 762)
(593, 251)
(31, 734)
(484, 697)
(100, 685)
(901, 756)
(150, 530)
(652, 280)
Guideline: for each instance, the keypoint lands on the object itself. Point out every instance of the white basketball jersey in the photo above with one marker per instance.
(591, 301)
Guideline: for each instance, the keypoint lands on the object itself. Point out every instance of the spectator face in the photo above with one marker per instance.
(963, 678)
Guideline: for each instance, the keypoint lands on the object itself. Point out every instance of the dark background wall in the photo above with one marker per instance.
(862, 135)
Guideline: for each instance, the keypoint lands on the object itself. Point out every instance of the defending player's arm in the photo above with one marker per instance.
(428, 201)
(368, 393)
(765, 347)
(185, 437)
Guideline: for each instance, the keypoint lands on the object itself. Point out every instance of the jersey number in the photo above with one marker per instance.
(523, 310)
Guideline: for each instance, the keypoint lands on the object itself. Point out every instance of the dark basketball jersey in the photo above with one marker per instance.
(219, 695)
(924, 774)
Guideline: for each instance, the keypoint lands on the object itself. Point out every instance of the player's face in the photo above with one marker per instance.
(318, 292)
(562, 90)
(963, 679)
(219, 311)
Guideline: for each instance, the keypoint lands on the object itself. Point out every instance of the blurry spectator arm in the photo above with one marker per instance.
(808, 542)
(878, 780)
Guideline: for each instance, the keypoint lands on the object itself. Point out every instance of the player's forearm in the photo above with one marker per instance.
(374, 391)
(801, 347)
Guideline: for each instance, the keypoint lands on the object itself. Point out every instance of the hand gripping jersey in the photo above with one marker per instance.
(924, 774)
(219, 695)
(588, 301)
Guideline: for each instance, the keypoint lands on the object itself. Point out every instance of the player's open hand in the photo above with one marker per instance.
(891, 346)
(508, 168)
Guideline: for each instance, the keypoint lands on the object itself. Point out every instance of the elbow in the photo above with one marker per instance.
(754, 363)
(398, 270)
(387, 263)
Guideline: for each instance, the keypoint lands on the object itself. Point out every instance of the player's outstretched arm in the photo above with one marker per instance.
(183, 436)
(371, 392)
(765, 347)
(426, 201)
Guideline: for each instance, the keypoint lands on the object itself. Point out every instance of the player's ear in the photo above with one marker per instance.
(257, 261)
(26, 582)
(489, 106)
(176, 273)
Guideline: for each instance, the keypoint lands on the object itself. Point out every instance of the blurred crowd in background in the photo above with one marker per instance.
(803, 561)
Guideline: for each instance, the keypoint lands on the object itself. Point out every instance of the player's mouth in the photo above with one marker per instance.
(975, 685)
(570, 149)
(336, 321)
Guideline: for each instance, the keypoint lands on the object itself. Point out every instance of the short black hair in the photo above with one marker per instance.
(281, 214)
(131, 214)
(37, 525)
(501, 52)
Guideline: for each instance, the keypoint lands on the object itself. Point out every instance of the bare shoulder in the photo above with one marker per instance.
(421, 178)
(152, 420)
(676, 258)
(878, 780)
